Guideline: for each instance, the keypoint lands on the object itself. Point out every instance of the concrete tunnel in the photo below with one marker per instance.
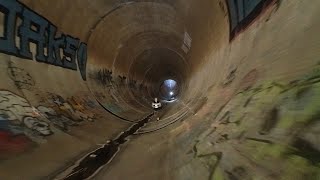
(239, 82)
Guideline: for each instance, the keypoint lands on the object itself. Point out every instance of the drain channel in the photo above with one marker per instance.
(94, 161)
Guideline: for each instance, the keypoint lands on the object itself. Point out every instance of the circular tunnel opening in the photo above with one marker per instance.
(169, 90)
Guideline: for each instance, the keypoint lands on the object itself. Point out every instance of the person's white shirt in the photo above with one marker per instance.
(156, 104)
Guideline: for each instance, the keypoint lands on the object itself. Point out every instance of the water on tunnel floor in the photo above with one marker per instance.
(239, 83)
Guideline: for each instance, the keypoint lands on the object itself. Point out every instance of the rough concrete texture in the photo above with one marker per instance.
(248, 107)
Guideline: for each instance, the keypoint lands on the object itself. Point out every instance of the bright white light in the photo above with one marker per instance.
(171, 93)
(170, 83)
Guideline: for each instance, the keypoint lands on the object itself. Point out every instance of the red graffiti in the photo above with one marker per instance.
(11, 144)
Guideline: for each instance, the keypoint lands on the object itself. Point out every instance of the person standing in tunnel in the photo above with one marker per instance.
(156, 105)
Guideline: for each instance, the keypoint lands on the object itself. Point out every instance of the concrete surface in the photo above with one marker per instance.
(248, 107)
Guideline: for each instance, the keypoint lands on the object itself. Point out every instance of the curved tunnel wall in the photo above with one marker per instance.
(236, 96)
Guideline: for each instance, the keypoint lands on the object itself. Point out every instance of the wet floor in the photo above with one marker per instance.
(100, 157)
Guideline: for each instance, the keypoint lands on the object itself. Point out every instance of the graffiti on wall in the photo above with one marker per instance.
(72, 108)
(115, 87)
(36, 29)
(22, 125)
(12, 138)
(20, 112)
(21, 78)
(59, 121)
(132, 84)
(18, 117)
(122, 79)
(103, 76)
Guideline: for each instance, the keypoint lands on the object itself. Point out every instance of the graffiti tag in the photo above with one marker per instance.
(36, 29)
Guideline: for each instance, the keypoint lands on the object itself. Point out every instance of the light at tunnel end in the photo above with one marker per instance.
(169, 90)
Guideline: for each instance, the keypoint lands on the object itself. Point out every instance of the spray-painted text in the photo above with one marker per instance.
(36, 29)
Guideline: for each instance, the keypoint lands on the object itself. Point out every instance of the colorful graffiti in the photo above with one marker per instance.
(18, 116)
(19, 125)
(23, 126)
(12, 138)
(18, 111)
(72, 108)
(58, 120)
(11, 143)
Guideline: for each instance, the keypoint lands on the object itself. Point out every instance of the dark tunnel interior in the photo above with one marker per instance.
(238, 81)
